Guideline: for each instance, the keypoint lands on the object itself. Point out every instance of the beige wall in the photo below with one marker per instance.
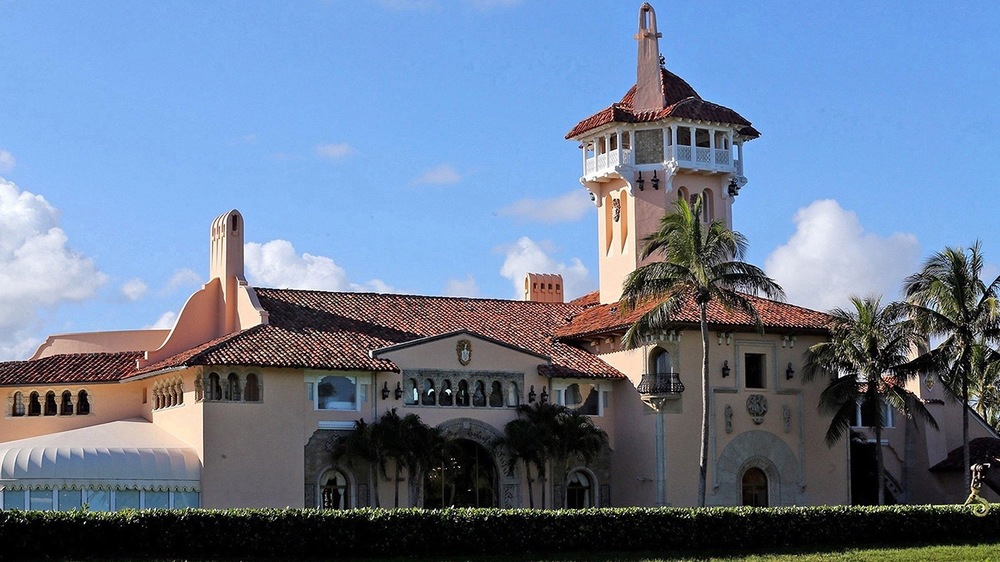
(108, 402)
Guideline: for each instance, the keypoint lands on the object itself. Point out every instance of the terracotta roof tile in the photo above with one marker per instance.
(774, 315)
(71, 368)
(327, 330)
(681, 102)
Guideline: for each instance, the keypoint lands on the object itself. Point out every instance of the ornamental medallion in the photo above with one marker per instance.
(757, 407)
(464, 351)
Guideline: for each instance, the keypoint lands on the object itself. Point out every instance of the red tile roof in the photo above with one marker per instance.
(74, 368)
(681, 102)
(775, 316)
(327, 330)
(981, 449)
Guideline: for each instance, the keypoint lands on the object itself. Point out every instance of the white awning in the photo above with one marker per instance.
(127, 454)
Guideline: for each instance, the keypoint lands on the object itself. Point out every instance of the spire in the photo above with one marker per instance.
(649, 79)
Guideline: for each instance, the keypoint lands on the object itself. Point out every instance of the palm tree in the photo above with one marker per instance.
(983, 388)
(698, 262)
(949, 300)
(869, 355)
(577, 436)
(544, 420)
(359, 445)
(523, 442)
(427, 447)
(393, 436)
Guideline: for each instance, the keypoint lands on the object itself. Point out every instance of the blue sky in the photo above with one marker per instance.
(417, 145)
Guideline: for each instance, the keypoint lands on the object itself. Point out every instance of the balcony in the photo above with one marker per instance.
(660, 386)
(694, 158)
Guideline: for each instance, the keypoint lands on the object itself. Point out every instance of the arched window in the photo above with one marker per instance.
(233, 387)
(429, 395)
(82, 403)
(496, 395)
(252, 392)
(333, 490)
(199, 388)
(34, 406)
(579, 491)
(447, 397)
(412, 392)
(17, 408)
(755, 487)
(479, 397)
(513, 396)
(682, 193)
(660, 361)
(462, 398)
(214, 387)
(707, 206)
(50, 403)
(66, 404)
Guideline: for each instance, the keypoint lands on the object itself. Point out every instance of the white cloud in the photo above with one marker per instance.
(461, 287)
(275, 264)
(7, 161)
(335, 151)
(37, 269)
(182, 278)
(831, 256)
(134, 289)
(164, 322)
(526, 256)
(444, 174)
(565, 208)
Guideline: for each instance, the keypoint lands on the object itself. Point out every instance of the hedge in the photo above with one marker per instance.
(303, 534)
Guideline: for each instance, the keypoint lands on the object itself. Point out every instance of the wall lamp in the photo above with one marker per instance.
(532, 394)
(656, 181)
(789, 372)
(545, 396)
(385, 390)
(726, 371)
(640, 182)
(399, 391)
(734, 188)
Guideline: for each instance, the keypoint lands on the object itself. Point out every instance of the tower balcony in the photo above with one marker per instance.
(602, 167)
(660, 386)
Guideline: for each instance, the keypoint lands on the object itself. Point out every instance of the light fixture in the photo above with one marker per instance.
(726, 371)
(640, 182)
(734, 188)
(656, 181)
(532, 394)
(593, 197)
(789, 372)
(385, 390)
(545, 396)
(399, 391)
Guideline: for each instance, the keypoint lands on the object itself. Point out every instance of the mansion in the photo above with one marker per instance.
(237, 404)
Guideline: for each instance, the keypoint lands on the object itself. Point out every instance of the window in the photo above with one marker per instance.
(755, 487)
(412, 394)
(83, 403)
(753, 370)
(513, 397)
(232, 392)
(17, 408)
(479, 397)
(333, 490)
(579, 491)
(707, 212)
(99, 500)
(127, 499)
(185, 499)
(13, 499)
(582, 397)
(50, 403)
(649, 146)
(214, 389)
(447, 396)
(462, 398)
(661, 361)
(684, 136)
(199, 389)
(496, 395)
(70, 499)
(34, 406)
(865, 415)
(337, 392)
(252, 393)
(156, 500)
(66, 404)
(40, 500)
(429, 398)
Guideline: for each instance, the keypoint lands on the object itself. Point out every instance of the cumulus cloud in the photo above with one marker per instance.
(276, 264)
(134, 289)
(37, 268)
(445, 174)
(164, 322)
(182, 278)
(831, 256)
(335, 151)
(7, 161)
(461, 287)
(565, 208)
(527, 256)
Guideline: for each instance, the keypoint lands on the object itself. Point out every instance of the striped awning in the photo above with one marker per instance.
(126, 454)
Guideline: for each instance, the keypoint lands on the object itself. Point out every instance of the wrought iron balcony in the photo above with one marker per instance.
(662, 385)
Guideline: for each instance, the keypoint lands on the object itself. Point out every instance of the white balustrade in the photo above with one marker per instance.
(683, 153)
(704, 155)
(721, 157)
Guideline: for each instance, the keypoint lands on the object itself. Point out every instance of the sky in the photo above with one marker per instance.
(417, 146)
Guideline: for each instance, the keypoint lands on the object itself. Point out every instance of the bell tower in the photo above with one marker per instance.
(660, 142)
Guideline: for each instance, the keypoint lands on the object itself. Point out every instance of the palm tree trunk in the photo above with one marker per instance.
(396, 482)
(527, 477)
(879, 466)
(966, 461)
(703, 458)
(373, 478)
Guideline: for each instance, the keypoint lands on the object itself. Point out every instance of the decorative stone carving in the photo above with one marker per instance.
(757, 407)
(464, 351)
(729, 418)
(616, 206)
(786, 418)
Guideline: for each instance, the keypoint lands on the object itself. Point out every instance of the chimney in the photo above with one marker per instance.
(649, 78)
(543, 287)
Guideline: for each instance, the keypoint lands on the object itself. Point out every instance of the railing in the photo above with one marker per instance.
(661, 384)
(695, 157)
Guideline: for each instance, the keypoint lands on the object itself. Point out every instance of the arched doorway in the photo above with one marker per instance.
(755, 487)
(468, 478)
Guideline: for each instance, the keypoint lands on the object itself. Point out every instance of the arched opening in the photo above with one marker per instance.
(579, 490)
(755, 487)
(334, 490)
(18, 406)
(252, 393)
(66, 404)
(660, 362)
(50, 403)
(83, 403)
(468, 478)
(34, 406)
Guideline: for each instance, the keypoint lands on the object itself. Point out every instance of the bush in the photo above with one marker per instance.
(303, 534)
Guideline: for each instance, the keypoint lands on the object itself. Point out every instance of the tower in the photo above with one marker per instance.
(660, 142)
